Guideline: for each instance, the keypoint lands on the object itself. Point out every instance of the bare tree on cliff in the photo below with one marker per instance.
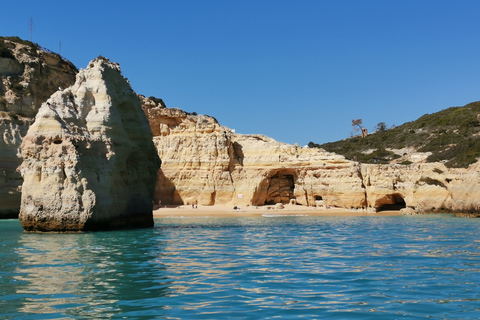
(357, 126)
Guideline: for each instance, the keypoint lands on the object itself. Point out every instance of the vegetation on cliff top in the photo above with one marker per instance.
(5, 52)
(451, 135)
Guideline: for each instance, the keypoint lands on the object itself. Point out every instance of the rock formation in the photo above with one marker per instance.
(83, 143)
(28, 76)
(425, 187)
(88, 159)
(206, 162)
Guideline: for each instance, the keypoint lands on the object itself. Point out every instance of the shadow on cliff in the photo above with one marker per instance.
(390, 202)
(165, 192)
(236, 154)
(277, 187)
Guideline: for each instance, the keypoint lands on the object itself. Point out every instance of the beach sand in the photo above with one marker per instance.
(252, 211)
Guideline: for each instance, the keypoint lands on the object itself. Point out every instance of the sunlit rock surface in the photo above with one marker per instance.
(427, 187)
(28, 76)
(206, 163)
(89, 160)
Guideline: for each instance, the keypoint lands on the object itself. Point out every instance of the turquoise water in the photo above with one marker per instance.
(414, 267)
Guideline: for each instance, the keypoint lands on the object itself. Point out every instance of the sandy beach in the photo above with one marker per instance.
(252, 211)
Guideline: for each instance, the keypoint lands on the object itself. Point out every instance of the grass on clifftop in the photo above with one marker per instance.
(6, 53)
(451, 135)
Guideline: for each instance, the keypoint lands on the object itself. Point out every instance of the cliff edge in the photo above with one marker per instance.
(28, 77)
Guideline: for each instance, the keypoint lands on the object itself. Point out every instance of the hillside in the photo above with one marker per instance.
(451, 136)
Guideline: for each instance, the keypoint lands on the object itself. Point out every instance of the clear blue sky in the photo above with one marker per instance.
(296, 71)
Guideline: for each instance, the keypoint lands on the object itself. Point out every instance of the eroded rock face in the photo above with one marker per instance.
(197, 150)
(28, 76)
(207, 163)
(271, 172)
(426, 188)
(89, 160)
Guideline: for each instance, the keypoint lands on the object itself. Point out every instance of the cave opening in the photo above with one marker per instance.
(278, 186)
(280, 189)
(396, 202)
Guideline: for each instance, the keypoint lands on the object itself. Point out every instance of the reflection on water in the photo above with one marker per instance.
(91, 275)
(247, 268)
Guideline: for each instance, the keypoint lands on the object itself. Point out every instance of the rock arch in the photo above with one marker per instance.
(277, 187)
(393, 201)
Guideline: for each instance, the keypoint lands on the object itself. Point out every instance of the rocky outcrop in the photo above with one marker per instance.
(28, 76)
(272, 172)
(208, 163)
(426, 188)
(88, 159)
(198, 152)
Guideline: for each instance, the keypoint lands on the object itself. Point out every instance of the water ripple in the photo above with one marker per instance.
(247, 268)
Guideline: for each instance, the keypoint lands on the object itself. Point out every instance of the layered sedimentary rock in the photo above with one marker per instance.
(272, 172)
(89, 162)
(426, 187)
(207, 163)
(28, 76)
(198, 156)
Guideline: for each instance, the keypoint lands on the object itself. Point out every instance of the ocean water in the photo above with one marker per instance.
(402, 267)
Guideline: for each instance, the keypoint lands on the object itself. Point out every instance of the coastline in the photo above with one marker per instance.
(252, 211)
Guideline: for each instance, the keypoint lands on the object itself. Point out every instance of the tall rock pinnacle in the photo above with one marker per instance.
(89, 160)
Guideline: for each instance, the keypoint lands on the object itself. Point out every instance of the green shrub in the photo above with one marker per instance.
(21, 41)
(4, 51)
(157, 101)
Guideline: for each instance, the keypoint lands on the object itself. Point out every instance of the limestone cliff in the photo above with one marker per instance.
(198, 156)
(28, 76)
(88, 159)
(427, 187)
(207, 163)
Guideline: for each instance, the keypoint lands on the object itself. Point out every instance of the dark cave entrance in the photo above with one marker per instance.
(281, 189)
(395, 202)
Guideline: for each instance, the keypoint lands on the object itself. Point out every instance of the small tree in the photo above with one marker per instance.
(357, 123)
(357, 126)
(313, 145)
(381, 126)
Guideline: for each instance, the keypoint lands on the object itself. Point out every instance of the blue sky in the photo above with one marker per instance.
(296, 71)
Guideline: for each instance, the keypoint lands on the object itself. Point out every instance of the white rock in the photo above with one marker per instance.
(89, 160)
